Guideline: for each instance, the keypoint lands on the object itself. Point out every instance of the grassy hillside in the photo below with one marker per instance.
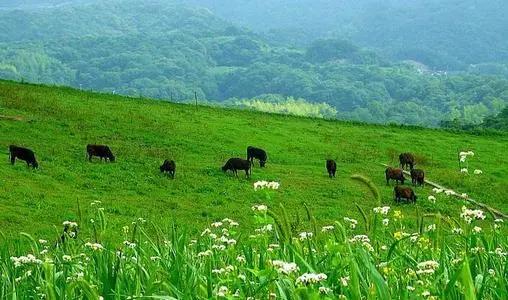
(57, 123)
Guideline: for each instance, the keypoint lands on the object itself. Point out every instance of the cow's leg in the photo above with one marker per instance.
(90, 157)
(13, 159)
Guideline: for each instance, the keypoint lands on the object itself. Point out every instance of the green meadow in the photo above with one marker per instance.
(57, 123)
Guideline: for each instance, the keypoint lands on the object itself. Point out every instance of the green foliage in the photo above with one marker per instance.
(498, 122)
(338, 261)
(445, 35)
(172, 51)
(296, 107)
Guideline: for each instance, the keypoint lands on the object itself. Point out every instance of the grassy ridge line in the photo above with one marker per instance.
(61, 121)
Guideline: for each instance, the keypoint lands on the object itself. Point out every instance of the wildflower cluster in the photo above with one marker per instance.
(427, 267)
(266, 185)
(285, 267)
(464, 155)
(25, 260)
(311, 278)
(381, 210)
(279, 263)
(468, 215)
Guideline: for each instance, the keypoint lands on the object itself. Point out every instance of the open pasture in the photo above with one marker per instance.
(58, 123)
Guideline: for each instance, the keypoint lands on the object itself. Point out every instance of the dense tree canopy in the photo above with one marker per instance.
(171, 51)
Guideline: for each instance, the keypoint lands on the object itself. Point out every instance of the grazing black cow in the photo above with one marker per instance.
(407, 160)
(418, 177)
(395, 174)
(331, 167)
(258, 153)
(169, 167)
(101, 151)
(407, 193)
(235, 164)
(24, 154)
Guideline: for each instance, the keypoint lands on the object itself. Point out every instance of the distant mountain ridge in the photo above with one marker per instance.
(446, 35)
(171, 51)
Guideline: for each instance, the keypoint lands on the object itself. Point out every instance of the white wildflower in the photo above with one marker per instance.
(94, 246)
(327, 228)
(471, 214)
(431, 227)
(457, 230)
(499, 251)
(25, 260)
(216, 224)
(284, 267)
(427, 267)
(259, 208)
(450, 193)
(266, 185)
(305, 235)
(477, 229)
(70, 224)
(311, 278)
(219, 247)
(205, 253)
(381, 210)
(344, 281)
(222, 291)
(352, 222)
(129, 244)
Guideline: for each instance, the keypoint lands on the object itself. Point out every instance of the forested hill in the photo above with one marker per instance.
(169, 51)
(445, 35)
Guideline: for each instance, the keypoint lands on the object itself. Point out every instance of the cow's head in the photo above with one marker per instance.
(262, 163)
(112, 158)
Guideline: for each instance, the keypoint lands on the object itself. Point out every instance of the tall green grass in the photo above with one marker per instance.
(448, 258)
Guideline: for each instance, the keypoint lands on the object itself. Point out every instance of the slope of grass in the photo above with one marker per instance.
(57, 123)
